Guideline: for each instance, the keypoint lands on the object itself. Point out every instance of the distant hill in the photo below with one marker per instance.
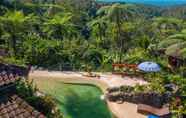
(146, 8)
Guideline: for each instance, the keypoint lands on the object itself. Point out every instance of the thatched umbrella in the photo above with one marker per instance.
(177, 50)
(166, 43)
(183, 53)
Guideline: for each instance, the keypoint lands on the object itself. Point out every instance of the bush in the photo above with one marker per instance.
(182, 70)
(25, 88)
(44, 104)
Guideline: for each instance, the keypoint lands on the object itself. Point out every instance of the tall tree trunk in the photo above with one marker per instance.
(13, 45)
(119, 39)
(100, 32)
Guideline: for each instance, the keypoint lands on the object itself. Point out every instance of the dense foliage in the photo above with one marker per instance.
(44, 103)
(65, 34)
(81, 34)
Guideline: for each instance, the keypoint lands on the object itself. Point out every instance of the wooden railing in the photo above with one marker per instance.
(132, 67)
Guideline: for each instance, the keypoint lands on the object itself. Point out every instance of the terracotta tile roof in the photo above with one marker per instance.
(11, 73)
(11, 105)
(14, 107)
(7, 78)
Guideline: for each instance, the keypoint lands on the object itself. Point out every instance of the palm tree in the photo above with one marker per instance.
(93, 58)
(166, 26)
(177, 38)
(181, 35)
(98, 27)
(176, 50)
(14, 24)
(60, 26)
(117, 14)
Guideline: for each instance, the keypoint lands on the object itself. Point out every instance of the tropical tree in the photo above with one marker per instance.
(99, 27)
(163, 26)
(117, 14)
(181, 35)
(14, 24)
(174, 39)
(177, 50)
(60, 26)
(93, 58)
(41, 51)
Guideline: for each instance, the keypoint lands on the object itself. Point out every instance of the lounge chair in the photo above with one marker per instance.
(91, 75)
(146, 109)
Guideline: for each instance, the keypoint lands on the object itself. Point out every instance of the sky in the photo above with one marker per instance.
(153, 2)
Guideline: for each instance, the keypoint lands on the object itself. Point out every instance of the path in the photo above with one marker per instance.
(125, 110)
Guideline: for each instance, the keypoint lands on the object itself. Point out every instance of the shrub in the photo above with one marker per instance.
(44, 104)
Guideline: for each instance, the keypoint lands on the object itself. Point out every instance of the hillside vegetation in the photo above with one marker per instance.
(81, 33)
(85, 35)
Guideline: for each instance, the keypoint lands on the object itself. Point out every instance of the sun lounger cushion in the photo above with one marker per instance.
(153, 116)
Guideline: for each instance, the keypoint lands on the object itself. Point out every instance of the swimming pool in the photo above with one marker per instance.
(77, 101)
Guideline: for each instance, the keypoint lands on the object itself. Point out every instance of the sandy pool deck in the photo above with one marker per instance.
(124, 110)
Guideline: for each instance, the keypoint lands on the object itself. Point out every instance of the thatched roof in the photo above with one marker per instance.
(183, 53)
(166, 43)
(177, 50)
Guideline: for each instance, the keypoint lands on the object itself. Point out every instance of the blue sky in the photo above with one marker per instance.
(159, 0)
(153, 2)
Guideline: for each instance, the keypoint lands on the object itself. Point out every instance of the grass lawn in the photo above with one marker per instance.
(76, 101)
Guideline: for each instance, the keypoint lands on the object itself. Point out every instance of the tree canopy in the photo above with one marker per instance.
(81, 34)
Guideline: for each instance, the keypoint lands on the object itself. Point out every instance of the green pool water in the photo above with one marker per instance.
(78, 101)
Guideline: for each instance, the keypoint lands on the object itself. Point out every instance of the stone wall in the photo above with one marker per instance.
(153, 99)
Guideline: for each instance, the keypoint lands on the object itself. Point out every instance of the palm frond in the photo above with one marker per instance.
(175, 50)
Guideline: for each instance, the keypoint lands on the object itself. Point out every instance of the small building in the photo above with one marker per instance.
(11, 105)
(175, 51)
(176, 54)
(175, 61)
